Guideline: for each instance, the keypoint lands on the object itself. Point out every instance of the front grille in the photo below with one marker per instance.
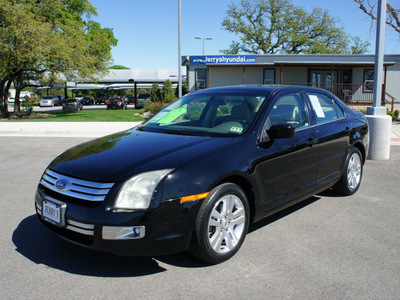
(76, 188)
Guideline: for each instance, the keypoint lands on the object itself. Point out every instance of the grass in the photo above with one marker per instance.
(87, 116)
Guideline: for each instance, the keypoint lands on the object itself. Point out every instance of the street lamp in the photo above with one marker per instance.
(204, 39)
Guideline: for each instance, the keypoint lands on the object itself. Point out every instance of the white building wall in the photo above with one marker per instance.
(224, 76)
(393, 81)
(254, 75)
(295, 75)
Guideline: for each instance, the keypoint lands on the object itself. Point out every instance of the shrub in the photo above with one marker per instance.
(167, 94)
(393, 115)
(154, 107)
(155, 93)
(185, 89)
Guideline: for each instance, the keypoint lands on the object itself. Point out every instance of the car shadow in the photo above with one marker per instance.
(41, 246)
(186, 261)
(279, 215)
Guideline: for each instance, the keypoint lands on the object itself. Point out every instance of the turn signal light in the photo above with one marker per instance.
(194, 197)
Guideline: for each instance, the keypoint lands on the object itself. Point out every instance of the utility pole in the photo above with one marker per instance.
(379, 123)
(179, 51)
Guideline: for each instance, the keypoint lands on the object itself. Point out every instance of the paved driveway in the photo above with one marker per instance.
(328, 247)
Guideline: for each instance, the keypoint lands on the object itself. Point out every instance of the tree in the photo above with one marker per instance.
(185, 89)
(38, 36)
(155, 93)
(119, 67)
(167, 94)
(392, 13)
(277, 26)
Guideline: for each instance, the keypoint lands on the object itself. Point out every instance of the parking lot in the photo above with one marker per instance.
(327, 247)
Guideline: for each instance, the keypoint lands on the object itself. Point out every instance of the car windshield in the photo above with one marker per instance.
(208, 114)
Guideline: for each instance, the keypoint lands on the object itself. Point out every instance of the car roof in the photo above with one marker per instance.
(262, 88)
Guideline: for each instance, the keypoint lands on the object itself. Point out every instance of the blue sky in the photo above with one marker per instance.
(147, 30)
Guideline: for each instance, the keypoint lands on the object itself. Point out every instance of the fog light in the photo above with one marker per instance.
(123, 233)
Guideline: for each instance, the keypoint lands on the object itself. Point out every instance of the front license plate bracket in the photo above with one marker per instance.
(53, 211)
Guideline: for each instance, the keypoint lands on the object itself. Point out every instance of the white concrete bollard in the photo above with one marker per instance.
(379, 136)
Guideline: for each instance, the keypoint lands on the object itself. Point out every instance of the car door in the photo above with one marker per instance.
(288, 166)
(333, 137)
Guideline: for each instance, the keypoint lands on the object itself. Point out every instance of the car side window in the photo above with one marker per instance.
(339, 111)
(323, 107)
(289, 109)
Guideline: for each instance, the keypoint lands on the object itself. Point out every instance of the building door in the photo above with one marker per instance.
(323, 79)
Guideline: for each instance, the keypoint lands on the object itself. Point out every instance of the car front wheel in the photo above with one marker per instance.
(352, 174)
(221, 224)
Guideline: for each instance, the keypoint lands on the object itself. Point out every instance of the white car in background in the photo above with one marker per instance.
(49, 101)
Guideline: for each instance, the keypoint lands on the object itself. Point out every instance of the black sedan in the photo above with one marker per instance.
(195, 175)
(87, 101)
(72, 104)
(116, 103)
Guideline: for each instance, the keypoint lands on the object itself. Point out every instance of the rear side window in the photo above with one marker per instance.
(324, 108)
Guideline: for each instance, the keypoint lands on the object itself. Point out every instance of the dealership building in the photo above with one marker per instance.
(349, 77)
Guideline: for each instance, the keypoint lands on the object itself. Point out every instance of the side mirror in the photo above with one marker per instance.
(281, 131)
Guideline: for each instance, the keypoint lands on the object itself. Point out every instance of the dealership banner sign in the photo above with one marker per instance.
(223, 59)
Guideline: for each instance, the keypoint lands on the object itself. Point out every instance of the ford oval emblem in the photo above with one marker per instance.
(62, 184)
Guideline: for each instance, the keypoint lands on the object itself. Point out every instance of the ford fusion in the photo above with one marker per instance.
(195, 175)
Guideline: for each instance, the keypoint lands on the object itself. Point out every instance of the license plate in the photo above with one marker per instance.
(53, 212)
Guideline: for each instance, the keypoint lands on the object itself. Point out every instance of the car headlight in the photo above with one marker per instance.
(137, 191)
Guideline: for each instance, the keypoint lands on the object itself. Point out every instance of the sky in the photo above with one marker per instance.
(147, 30)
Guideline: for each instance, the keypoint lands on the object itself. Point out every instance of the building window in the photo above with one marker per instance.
(368, 80)
(201, 77)
(269, 76)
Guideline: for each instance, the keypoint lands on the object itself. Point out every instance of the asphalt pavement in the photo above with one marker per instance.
(327, 247)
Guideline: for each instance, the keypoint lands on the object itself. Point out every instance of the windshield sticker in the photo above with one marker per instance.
(172, 116)
(317, 106)
(236, 129)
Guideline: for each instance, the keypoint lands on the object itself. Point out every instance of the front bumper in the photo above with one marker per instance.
(164, 230)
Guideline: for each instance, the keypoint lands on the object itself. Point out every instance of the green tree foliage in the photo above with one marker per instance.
(38, 36)
(119, 67)
(167, 94)
(155, 92)
(185, 89)
(278, 26)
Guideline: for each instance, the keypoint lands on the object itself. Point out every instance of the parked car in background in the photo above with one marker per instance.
(72, 104)
(195, 175)
(130, 99)
(116, 103)
(141, 100)
(87, 100)
(101, 99)
(79, 97)
(49, 101)
(61, 99)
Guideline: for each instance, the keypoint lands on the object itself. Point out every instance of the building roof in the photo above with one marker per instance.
(301, 59)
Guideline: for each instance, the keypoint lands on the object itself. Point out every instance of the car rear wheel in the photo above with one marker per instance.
(352, 174)
(221, 224)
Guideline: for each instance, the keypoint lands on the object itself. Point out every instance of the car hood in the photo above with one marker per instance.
(117, 157)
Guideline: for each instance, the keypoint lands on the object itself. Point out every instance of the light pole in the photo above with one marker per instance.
(179, 51)
(204, 39)
(379, 122)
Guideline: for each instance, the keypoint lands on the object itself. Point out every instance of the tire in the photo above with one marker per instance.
(219, 232)
(351, 177)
